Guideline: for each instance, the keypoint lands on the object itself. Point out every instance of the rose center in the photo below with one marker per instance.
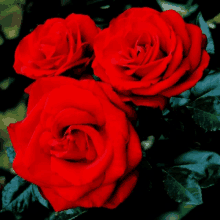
(75, 146)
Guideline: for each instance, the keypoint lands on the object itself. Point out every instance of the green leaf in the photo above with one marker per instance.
(18, 197)
(192, 171)
(10, 153)
(68, 214)
(202, 101)
(206, 112)
(180, 188)
(21, 199)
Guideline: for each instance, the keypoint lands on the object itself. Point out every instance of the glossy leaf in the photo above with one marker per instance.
(10, 153)
(181, 187)
(20, 198)
(193, 170)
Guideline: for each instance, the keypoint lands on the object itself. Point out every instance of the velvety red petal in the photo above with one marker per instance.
(151, 101)
(74, 193)
(122, 192)
(179, 26)
(54, 62)
(34, 73)
(25, 129)
(84, 173)
(100, 42)
(115, 99)
(164, 29)
(57, 202)
(191, 81)
(67, 100)
(97, 197)
(194, 55)
(153, 69)
(176, 59)
(45, 85)
(87, 26)
(71, 116)
(166, 83)
(148, 83)
(153, 50)
(117, 133)
(100, 71)
(134, 152)
(39, 173)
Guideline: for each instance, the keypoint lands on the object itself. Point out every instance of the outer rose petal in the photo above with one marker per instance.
(191, 81)
(86, 25)
(74, 193)
(134, 150)
(123, 191)
(58, 203)
(196, 43)
(97, 197)
(179, 26)
(42, 87)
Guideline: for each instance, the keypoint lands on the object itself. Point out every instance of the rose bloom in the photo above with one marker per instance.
(149, 56)
(56, 46)
(77, 144)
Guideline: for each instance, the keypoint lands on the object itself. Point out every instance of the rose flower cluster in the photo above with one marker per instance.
(77, 142)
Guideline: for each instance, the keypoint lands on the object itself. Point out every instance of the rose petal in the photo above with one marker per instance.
(191, 81)
(134, 152)
(114, 98)
(164, 29)
(100, 71)
(176, 59)
(179, 26)
(58, 203)
(122, 192)
(153, 69)
(87, 26)
(83, 173)
(43, 86)
(196, 42)
(92, 105)
(38, 173)
(71, 116)
(97, 197)
(74, 193)
(166, 83)
(151, 101)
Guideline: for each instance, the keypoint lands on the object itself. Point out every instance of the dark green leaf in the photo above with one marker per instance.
(210, 48)
(202, 101)
(68, 214)
(206, 112)
(192, 171)
(38, 196)
(17, 195)
(20, 198)
(204, 164)
(181, 187)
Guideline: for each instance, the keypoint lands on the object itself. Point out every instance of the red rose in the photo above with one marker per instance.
(77, 144)
(57, 45)
(148, 55)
